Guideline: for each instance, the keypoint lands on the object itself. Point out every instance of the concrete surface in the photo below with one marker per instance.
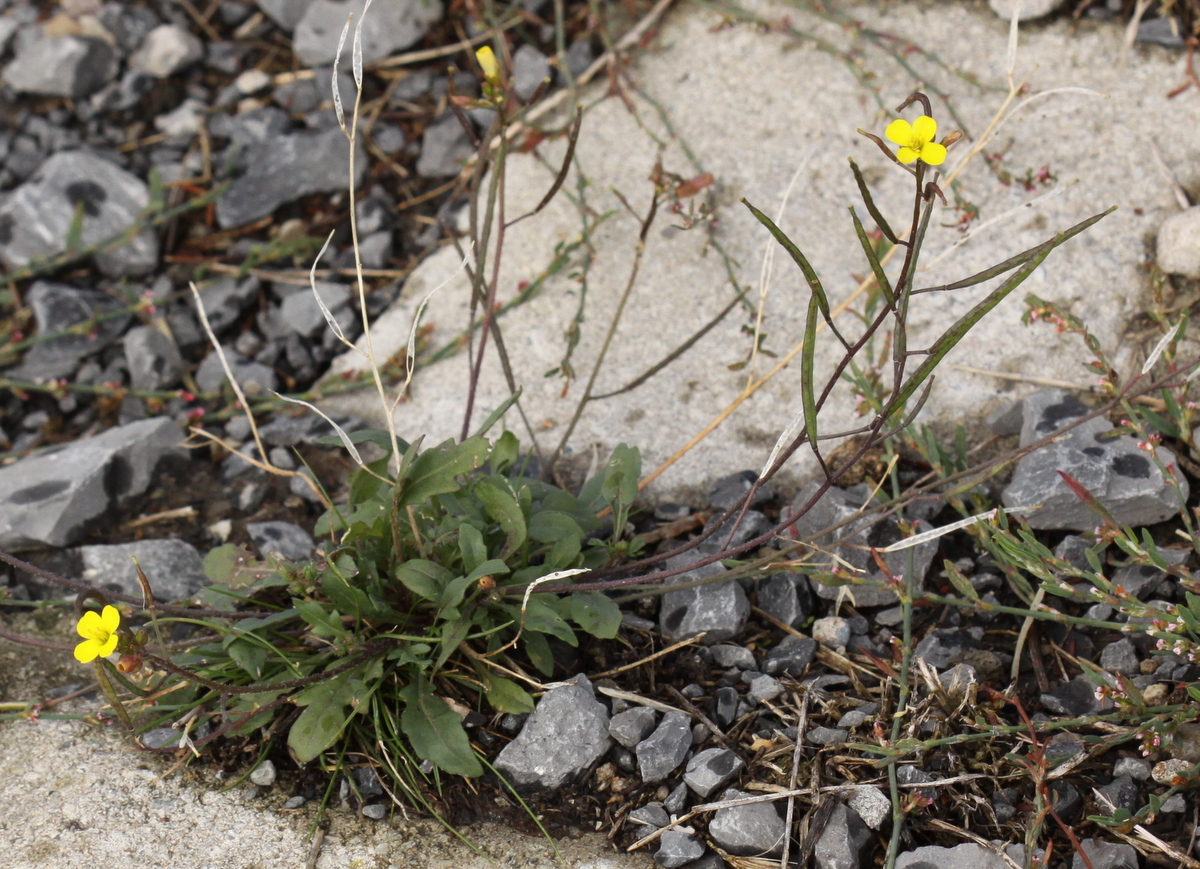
(76, 795)
(754, 106)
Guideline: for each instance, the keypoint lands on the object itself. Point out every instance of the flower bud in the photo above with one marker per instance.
(129, 663)
(951, 137)
(487, 62)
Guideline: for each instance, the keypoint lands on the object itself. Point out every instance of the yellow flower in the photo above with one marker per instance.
(99, 632)
(487, 62)
(916, 141)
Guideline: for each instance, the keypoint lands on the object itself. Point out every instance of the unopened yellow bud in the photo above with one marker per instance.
(487, 62)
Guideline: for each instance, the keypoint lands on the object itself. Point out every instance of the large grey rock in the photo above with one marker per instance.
(173, 567)
(853, 542)
(280, 169)
(36, 218)
(47, 499)
(787, 597)
(1075, 698)
(1027, 10)
(791, 657)
(871, 806)
(728, 655)
(1048, 410)
(676, 848)
(253, 377)
(285, 13)
(289, 431)
(565, 735)
(390, 27)
(1122, 476)
(529, 69)
(942, 647)
(719, 608)
(631, 726)
(225, 298)
(752, 830)
(62, 66)
(844, 841)
(153, 359)
(1179, 243)
(286, 540)
(167, 49)
(57, 307)
(1105, 855)
(968, 855)
(445, 145)
(1120, 657)
(728, 490)
(660, 753)
(299, 312)
(710, 770)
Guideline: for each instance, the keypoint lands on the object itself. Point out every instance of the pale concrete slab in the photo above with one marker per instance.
(77, 795)
(754, 107)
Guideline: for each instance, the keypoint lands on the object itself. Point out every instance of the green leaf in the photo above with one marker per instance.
(434, 471)
(952, 336)
(541, 617)
(324, 718)
(619, 488)
(249, 656)
(436, 732)
(539, 652)
(596, 613)
(808, 373)
(323, 622)
(505, 452)
(881, 278)
(810, 274)
(220, 564)
(424, 578)
(453, 633)
(471, 545)
(503, 507)
(494, 416)
(869, 201)
(376, 436)
(507, 696)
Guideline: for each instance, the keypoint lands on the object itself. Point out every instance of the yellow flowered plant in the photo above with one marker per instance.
(99, 632)
(487, 62)
(916, 141)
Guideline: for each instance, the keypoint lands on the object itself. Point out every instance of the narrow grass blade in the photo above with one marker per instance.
(885, 286)
(808, 374)
(345, 438)
(810, 274)
(495, 415)
(869, 201)
(312, 283)
(333, 79)
(356, 62)
(951, 337)
(1172, 335)
(1013, 261)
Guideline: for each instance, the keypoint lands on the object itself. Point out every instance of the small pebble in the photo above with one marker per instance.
(1134, 767)
(294, 803)
(375, 811)
(831, 631)
(1166, 771)
(264, 775)
(1174, 804)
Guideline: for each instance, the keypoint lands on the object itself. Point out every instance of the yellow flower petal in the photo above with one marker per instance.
(108, 646)
(110, 618)
(907, 155)
(924, 129)
(487, 62)
(934, 154)
(87, 651)
(900, 132)
(90, 626)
